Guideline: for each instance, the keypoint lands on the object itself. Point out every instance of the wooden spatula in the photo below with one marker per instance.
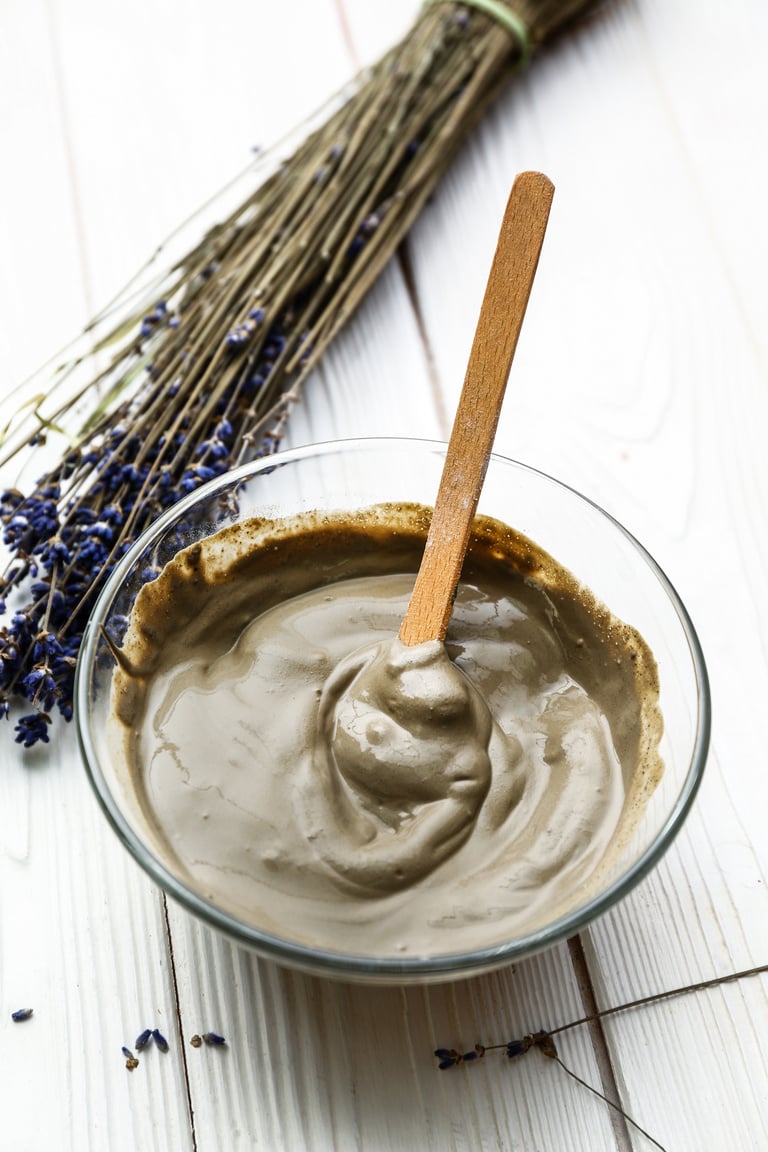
(474, 427)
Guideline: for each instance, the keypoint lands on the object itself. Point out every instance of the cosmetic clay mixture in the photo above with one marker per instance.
(302, 769)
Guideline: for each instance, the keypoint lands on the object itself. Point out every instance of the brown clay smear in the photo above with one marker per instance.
(312, 779)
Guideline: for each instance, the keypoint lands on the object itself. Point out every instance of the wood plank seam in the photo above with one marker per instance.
(438, 394)
(599, 1042)
(179, 1022)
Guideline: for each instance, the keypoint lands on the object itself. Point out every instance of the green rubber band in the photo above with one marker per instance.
(504, 15)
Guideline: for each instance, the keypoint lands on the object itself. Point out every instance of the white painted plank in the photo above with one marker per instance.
(83, 943)
(368, 383)
(640, 379)
(321, 1065)
(709, 902)
(82, 935)
(167, 101)
(41, 282)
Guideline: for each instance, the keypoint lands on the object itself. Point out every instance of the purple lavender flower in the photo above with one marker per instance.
(213, 1039)
(40, 687)
(33, 729)
(54, 551)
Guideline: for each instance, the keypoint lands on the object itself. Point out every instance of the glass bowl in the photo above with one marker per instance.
(355, 474)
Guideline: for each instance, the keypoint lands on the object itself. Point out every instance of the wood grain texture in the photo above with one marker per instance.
(651, 399)
(322, 1065)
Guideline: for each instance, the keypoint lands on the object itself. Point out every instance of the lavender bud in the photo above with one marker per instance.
(143, 1039)
(160, 1040)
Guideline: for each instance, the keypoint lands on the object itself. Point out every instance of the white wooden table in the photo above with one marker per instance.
(641, 379)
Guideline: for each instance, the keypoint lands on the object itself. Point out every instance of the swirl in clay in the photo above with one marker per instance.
(401, 767)
(302, 769)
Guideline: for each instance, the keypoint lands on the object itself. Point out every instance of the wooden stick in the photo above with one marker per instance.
(474, 428)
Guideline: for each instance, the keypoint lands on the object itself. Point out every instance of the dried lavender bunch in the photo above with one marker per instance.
(204, 376)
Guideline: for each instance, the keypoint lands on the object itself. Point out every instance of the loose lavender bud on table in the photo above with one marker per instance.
(213, 1039)
(160, 1040)
(21, 1014)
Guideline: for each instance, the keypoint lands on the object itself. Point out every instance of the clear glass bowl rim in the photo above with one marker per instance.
(338, 964)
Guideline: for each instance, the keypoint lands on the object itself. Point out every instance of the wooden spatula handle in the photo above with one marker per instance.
(474, 428)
